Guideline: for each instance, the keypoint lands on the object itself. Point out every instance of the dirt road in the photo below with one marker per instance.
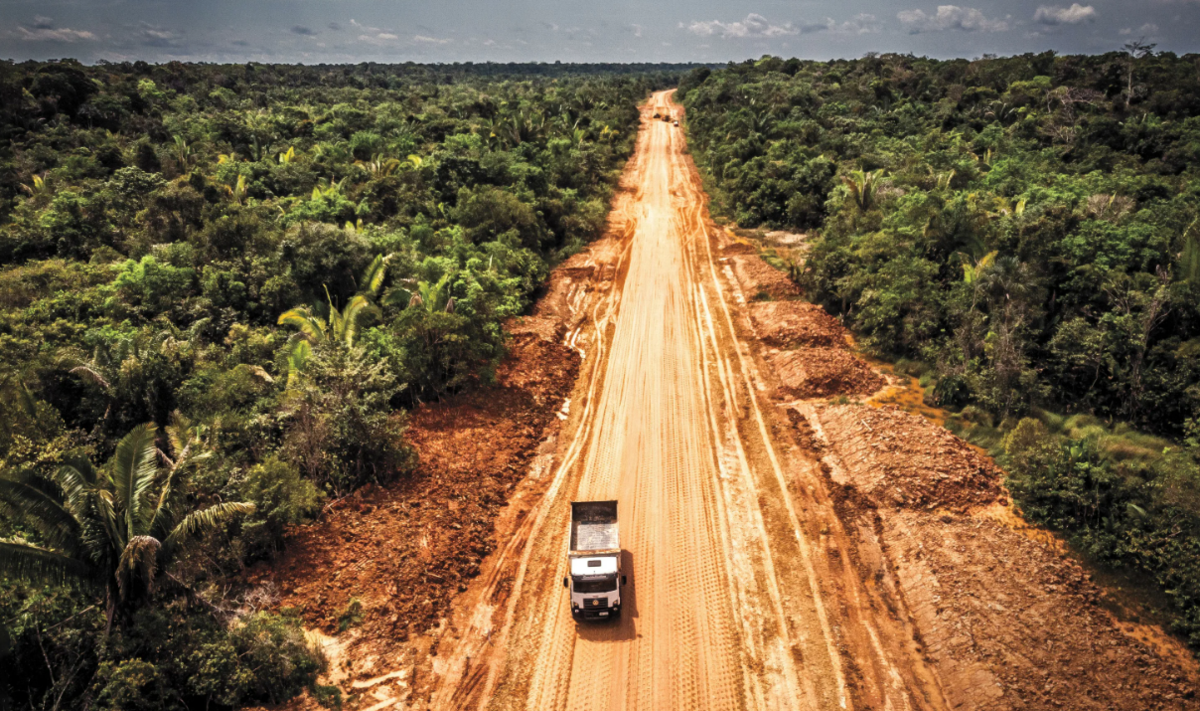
(793, 539)
(731, 543)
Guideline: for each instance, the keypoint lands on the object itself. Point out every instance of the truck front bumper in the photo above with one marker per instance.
(596, 614)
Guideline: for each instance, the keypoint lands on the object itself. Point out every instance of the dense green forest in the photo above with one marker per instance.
(1024, 234)
(221, 286)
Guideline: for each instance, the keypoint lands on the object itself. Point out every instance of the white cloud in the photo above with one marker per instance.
(950, 17)
(1053, 15)
(862, 24)
(155, 36)
(423, 39)
(42, 29)
(753, 26)
(1145, 30)
(374, 35)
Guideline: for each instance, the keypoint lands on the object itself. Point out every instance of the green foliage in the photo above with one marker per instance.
(152, 287)
(1023, 224)
(133, 685)
(327, 696)
(235, 250)
(281, 498)
(275, 651)
(339, 424)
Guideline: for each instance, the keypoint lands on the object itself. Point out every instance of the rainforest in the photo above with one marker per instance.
(221, 289)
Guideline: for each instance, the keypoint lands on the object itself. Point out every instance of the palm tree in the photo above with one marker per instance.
(183, 154)
(38, 188)
(238, 190)
(342, 327)
(862, 185)
(429, 297)
(118, 527)
(380, 166)
(288, 157)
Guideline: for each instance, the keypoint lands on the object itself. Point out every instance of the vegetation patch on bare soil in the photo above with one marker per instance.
(791, 324)
(820, 372)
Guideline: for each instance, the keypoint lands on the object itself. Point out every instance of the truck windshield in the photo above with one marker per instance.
(595, 584)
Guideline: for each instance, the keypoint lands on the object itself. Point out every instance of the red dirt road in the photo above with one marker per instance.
(740, 595)
(787, 547)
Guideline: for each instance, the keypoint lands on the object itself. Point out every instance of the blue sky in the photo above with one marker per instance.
(332, 31)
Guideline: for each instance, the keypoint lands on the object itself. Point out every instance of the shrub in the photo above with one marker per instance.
(133, 685)
(340, 426)
(275, 650)
(281, 498)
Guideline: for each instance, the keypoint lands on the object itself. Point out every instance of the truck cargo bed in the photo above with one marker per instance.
(594, 526)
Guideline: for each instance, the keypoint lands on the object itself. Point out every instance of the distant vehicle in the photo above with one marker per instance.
(657, 115)
(676, 122)
(666, 117)
(594, 561)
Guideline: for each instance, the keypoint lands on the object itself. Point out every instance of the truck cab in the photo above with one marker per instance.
(594, 562)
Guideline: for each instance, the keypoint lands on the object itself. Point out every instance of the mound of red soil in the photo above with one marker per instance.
(1012, 625)
(904, 461)
(405, 549)
(821, 372)
(738, 248)
(550, 329)
(790, 324)
(757, 277)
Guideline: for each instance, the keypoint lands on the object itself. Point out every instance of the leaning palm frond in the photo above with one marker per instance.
(257, 371)
(238, 190)
(310, 325)
(38, 188)
(91, 374)
(972, 272)
(374, 275)
(25, 561)
(25, 497)
(197, 522)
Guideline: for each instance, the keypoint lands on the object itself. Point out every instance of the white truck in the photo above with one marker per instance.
(594, 561)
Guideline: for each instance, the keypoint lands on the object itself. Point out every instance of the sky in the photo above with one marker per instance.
(339, 31)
